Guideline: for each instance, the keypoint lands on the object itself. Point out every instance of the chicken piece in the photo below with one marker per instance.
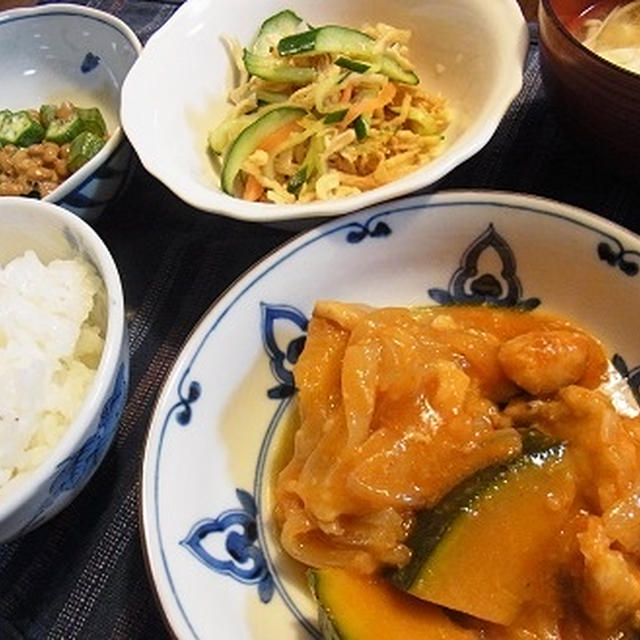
(345, 315)
(610, 591)
(604, 445)
(622, 521)
(542, 362)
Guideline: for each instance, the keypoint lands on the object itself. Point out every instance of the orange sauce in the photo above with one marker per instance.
(398, 406)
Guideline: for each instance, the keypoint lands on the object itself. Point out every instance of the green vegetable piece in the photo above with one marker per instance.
(47, 114)
(361, 127)
(419, 121)
(308, 168)
(20, 128)
(270, 97)
(92, 120)
(3, 114)
(297, 180)
(83, 148)
(352, 65)
(275, 70)
(277, 26)
(422, 122)
(251, 137)
(63, 130)
(345, 42)
(335, 116)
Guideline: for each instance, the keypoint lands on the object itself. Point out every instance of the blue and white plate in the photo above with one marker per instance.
(206, 510)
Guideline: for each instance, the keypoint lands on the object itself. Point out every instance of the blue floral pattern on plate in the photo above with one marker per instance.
(469, 285)
(244, 559)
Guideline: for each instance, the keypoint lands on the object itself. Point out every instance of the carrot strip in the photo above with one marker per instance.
(383, 98)
(253, 190)
(271, 141)
(346, 93)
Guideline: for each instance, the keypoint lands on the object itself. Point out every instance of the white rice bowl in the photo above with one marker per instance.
(64, 360)
(50, 347)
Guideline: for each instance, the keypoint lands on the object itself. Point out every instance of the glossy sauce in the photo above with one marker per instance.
(397, 406)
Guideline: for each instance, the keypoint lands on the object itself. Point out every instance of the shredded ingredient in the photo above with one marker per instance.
(359, 129)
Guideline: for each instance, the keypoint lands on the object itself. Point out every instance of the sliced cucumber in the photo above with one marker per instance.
(329, 39)
(361, 126)
(297, 180)
(270, 97)
(352, 65)
(277, 26)
(335, 116)
(249, 140)
(345, 42)
(309, 166)
(275, 70)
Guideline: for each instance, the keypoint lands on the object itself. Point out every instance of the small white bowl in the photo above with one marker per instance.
(53, 232)
(470, 51)
(57, 52)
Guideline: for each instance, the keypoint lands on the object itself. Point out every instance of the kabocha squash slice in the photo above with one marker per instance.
(357, 607)
(479, 550)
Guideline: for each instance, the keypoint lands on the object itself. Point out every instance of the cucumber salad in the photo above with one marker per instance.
(324, 112)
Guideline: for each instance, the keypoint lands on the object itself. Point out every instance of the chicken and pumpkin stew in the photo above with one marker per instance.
(462, 472)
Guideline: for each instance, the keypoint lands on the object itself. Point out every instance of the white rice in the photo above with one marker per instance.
(50, 347)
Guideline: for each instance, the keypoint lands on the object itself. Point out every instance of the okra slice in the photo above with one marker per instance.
(92, 120)
(83, 148)
(3, 114)
(47, 114)
(63, 130)
(21, 128)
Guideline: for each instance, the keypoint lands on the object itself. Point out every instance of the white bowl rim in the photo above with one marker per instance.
(215, 201)
(28, 486)
(77, 179)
